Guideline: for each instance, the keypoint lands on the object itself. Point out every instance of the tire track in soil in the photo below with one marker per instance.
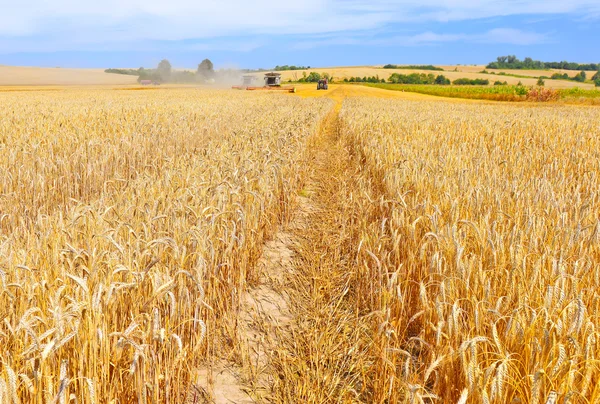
(265, 318)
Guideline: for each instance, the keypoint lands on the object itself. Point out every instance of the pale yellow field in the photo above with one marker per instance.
(533, 73)
(19, 75)
(472, 72)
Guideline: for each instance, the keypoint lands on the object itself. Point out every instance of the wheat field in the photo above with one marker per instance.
(420, 250)
(129, 225)
(483, 263)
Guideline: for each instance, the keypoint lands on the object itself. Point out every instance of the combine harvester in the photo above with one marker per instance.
(272, 83)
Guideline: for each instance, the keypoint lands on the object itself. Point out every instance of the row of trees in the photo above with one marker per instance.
(372, 79)
(421, 78)
(290, 67)
(164, 73)
(314, 77)
(414, 67)
(512, 62)
(579, 77)
(128, 72)
(418, 78)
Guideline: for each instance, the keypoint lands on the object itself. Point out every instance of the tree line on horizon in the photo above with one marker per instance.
(512, 62)
(419, 78)
(164, 73)
(205, 73)
(413, 67)
(290, 67)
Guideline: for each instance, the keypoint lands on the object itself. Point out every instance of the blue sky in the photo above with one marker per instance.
(263, 33)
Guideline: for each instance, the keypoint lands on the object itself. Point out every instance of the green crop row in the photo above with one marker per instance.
(496, 93)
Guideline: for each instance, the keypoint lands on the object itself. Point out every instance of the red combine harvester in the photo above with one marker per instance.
(272, 83)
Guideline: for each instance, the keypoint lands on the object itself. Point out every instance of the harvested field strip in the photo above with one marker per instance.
(328, 351)
(309, 343)
(322, 360)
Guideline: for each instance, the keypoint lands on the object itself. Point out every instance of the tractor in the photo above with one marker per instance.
(322, 84)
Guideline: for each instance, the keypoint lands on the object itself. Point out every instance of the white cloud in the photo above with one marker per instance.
(495, 36)
(71, 24)
(513, 37)
(430, 37)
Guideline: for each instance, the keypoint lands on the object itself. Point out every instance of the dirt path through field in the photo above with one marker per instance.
(293, 326)
(263, 322)
(323, 359)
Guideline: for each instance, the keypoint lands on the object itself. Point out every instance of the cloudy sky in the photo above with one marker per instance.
(261, 33)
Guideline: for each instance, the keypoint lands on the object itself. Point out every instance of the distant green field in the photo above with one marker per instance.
(495, 93)
(498, 93)
(579, 93)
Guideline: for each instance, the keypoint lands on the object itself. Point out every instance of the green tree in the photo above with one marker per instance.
(206, 69)
(580, 77)
(541, 82)
(442, 80)
(164, 70)
(149, 74)
(313, 77)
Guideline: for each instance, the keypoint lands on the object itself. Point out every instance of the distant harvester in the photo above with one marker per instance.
(148, 82)
(272, 79)
(247, 80)
(272, 82)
